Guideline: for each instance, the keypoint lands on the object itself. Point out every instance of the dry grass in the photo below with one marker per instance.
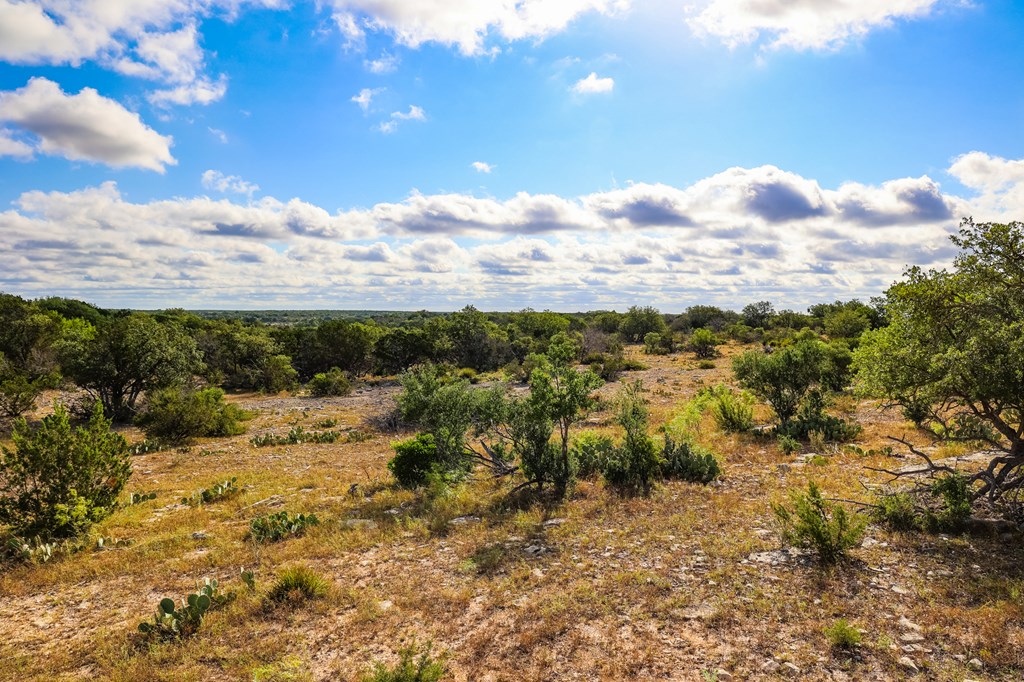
(597, 588)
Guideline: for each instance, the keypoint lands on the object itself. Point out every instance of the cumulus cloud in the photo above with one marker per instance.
(216, 180)
(481, 167)
(10, 146)
(742, 234)
(386, 63)
(802, 24)
(415, 113)
(998, 182)
(365, 97)
(592, 85)
(86, 126)
(465, 24)
(152, 39)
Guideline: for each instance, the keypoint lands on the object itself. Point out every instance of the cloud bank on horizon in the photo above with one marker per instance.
(114, 100)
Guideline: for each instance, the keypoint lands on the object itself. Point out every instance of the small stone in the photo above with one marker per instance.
(790, 668)
(200, 535)
(770, 666)
(385, 605)
(908, 624)
(911, 637)
(554, 522)
(722, 675)
(462, 520)
(908, 664)
(975, 664)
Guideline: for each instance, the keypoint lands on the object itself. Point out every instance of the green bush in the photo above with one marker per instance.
(704, 344)
(787, 444)
(298, 584)
(415, 665)
(295, 436)
(685, 461)
(216, 492)
(179, 415)
(418, 388)
(414, 460)
(896, 510)
(820, 525)
(955, 509)
(59, 480)
(331, 383)
(589, 450)
(732, 412)
(811, 419)
(276, 527)
(633, 466)
(842, 635)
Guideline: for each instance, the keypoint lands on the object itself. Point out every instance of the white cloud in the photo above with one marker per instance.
(86, 126)
(221, 136)
(481, 167)
(466, 24)
(802, 24)
(386, 63)
(216, 180)
(365, 97)
(12, 147)
(742, 234)
(593, 85)
(153, 39)
(415, 113)
(999, 183)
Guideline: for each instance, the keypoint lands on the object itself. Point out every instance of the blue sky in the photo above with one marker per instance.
(567, 155)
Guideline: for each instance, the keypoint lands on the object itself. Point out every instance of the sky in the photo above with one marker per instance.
(554, 154)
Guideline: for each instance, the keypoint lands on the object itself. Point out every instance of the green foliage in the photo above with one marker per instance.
(846, 324)
(276, 374)
(18, 392)
(128, 356)
(139, 498)
(173, 621)
(811, 421)
(178, 415)
(414, 460)
(330, 383)
(295, 436)
(842, 635)
(784, 378)
(58, 480)
(415, 664)
(298, 584)
(215, 493)
(659, 344)
(637, 322)
(418, 388)
(276, 527)
(955, 510)
(787, 444)
(815, 523)
(954, 348)
(589, 451)
(704, 343)
(686, 461)
(897, 510)
(758, 314)
(733, 412)
(633, 466)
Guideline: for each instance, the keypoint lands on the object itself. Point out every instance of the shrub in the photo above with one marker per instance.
(418, 388)
(174, 622)
(178, 415)
(811, 420)
(632, 466)
(295, 436)
(686, 461)
(703, 343)
(414, 460)
(842, 635)
(275, 527)
(58, 480)
(216, 492)
(820, 525)
(415, 664)
(705, 364)
(733, 413)
(956, 503)
(276, 374)
(298, 584)
(589, 450)
(331, 383)
(659, 344)
(18, 393)
(787, 444)
(468, 374)
(896, 510)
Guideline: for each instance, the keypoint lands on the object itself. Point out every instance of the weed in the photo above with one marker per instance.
(823, 526)
(842, 635)
(276, 527)
(215, 493)
(415, 664)
(298, 584)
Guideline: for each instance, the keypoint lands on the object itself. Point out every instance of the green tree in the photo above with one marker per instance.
(758, 314)
(638, 322)
(127, 356)
(953, 353)
(784, 378)
(58, 480)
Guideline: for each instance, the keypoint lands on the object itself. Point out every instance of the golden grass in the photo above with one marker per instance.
(597, 588)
